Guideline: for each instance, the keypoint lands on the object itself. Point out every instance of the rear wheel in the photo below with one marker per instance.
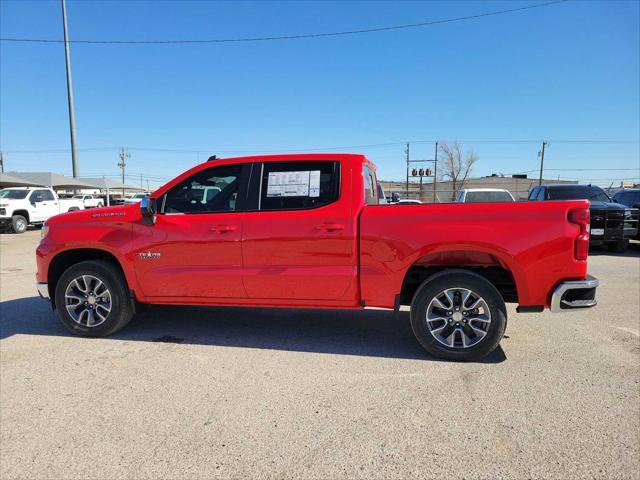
(19, 224)
(92, 300)
(458, 315)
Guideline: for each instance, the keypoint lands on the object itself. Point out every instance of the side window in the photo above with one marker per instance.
(370, 190)
(298, 185)
(533, 195)
(37, 196)
(210, 191)
(47, 195)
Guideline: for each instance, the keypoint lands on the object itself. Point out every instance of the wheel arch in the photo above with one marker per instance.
(496, 267)
(24, 213)
(66, 258)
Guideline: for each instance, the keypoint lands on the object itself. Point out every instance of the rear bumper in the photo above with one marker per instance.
(575, 294)
(43, 290)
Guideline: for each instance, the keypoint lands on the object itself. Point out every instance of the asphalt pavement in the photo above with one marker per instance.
(188, 392)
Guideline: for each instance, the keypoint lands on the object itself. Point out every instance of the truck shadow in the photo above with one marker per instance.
(364, 333)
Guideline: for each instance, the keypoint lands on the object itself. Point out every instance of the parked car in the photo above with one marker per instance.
(306, 231)
(113, 200)
(24, 206)
(629, 197)
(89, 201)
(382, 198)
(611, 224)
(396, 200)
(483, 195)
(135, 198)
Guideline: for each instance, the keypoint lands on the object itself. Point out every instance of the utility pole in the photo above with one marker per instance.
(435, 174)
(122, 164)
(541, 154)
(72, 117)
(407, 152)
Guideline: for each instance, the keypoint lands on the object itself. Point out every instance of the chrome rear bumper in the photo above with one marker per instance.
(575, 294)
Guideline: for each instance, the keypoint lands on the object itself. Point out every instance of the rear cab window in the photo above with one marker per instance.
(296, 185)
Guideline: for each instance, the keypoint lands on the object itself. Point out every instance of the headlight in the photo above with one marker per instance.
(44, 231)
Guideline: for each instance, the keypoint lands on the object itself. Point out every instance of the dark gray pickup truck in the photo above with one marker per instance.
(612, 224)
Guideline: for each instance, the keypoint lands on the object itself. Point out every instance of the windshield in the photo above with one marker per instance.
(14, 194)
(628, 199)
(78, 196)
(595, 194)
(487, 197)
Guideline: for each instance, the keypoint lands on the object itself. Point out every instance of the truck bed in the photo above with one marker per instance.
(532, 241)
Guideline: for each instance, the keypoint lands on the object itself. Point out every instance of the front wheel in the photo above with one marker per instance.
(92, 299)
(19, 224)
(458, 315)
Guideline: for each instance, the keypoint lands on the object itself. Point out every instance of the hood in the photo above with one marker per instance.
(103, 214)
(607, 206)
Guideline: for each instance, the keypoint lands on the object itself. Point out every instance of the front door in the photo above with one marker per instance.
(300, 241)
(194, 247)
(44, 205)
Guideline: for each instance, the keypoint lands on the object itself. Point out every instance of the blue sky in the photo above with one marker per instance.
(563, 72)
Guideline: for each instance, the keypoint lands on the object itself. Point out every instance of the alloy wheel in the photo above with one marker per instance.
(88, 301)
(458, 318)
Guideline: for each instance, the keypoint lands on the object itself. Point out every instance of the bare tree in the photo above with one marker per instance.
(456, 164)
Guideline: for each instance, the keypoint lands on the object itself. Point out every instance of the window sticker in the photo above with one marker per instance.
(294, 184)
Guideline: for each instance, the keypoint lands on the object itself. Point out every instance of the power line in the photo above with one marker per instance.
(327, 148)
(291, 37)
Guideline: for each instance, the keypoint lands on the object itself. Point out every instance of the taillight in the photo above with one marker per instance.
(581, 217)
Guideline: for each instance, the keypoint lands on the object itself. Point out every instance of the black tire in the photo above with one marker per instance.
(121, 305)
(99, 204)
(620, 246)
(19, 224)
(73, 209)
(453, 279)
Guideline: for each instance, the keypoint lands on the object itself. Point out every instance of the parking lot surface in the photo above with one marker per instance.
(271, 393)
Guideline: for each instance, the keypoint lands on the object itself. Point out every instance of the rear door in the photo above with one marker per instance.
(300, 241)
(194, 247)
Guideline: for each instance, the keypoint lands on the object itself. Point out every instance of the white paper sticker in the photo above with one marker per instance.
(314, 183)
(294, 184)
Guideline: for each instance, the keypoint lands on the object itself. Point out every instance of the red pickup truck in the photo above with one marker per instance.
(308, 231)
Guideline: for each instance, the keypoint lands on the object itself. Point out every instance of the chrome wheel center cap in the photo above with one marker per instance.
(457, 316)
(91, 300)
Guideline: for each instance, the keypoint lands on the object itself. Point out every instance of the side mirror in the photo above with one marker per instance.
(148, 207)
(395, 197)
